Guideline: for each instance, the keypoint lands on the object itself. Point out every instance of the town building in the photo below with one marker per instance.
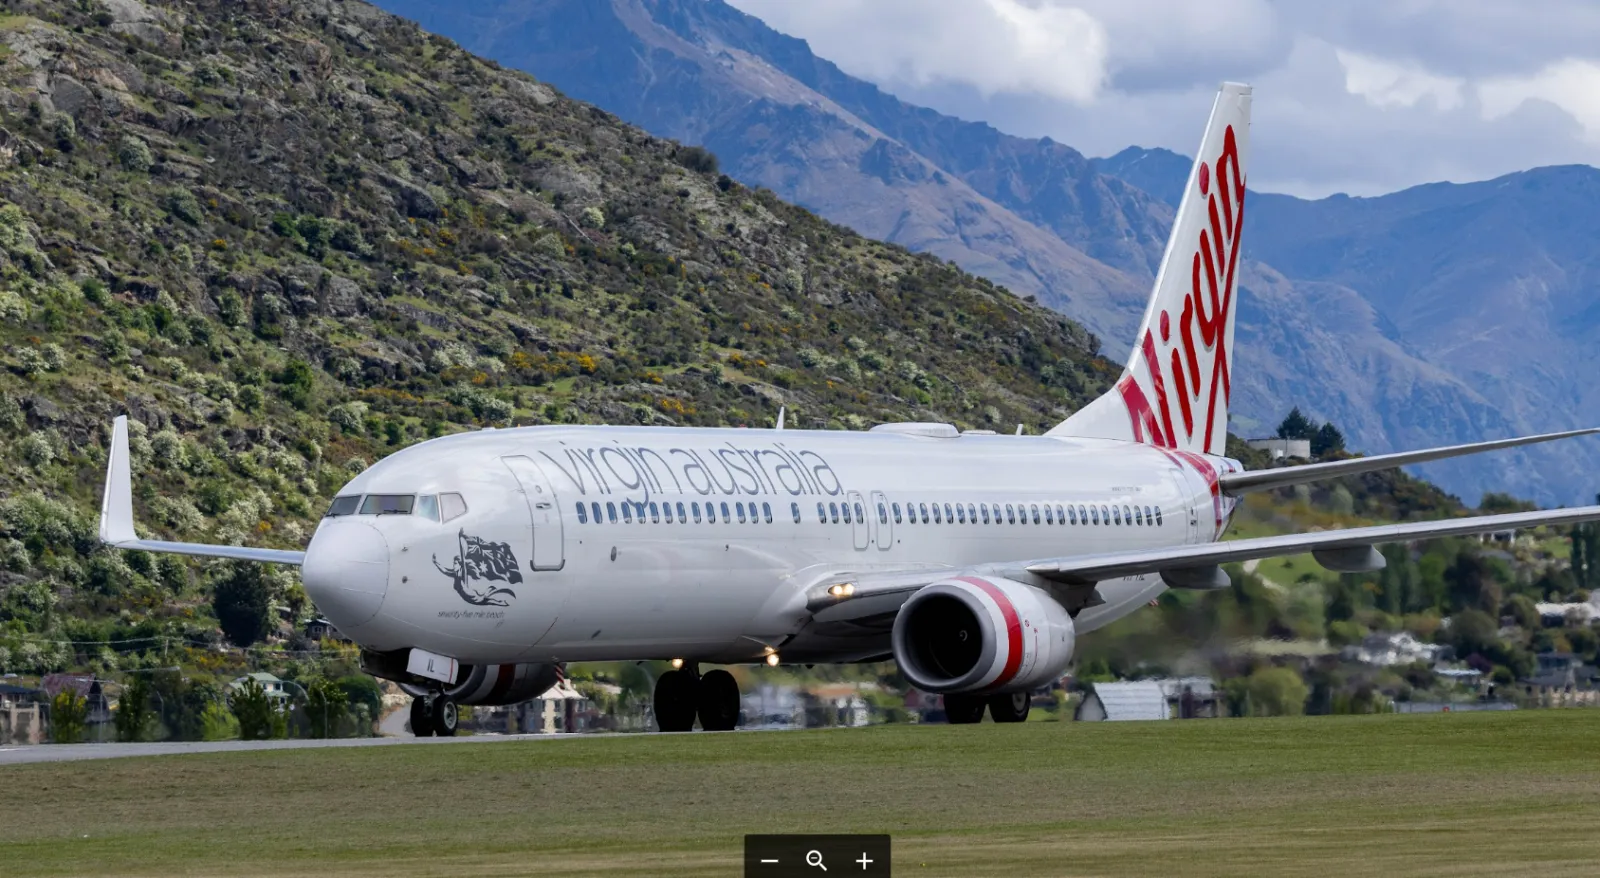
(1283, 449)
(24, 717)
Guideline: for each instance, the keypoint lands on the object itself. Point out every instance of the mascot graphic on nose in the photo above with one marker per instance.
(480, 565)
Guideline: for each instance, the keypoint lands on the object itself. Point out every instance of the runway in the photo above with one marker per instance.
(72, 752)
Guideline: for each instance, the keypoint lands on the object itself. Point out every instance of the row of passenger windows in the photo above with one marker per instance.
(629, 512)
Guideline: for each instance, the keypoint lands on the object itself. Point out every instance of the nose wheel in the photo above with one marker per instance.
(684, 694)
(435, 715)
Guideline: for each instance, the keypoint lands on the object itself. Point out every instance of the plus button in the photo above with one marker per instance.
(865, 861)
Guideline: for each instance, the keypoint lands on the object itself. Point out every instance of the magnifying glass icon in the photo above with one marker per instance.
(814, 858)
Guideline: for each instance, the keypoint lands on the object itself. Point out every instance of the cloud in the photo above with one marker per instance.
(1388, 84)
(1360, 96)
(1572, 84)
(994, 46)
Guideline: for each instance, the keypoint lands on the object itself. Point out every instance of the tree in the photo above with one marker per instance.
(1276, 692)
(258, 720)
(1473, 631)
(325, 706)
(1296, 426)
(1327, 440)
(1472, 583)
(217, 724)
(69, 713)
(242, 602)
(133, 710)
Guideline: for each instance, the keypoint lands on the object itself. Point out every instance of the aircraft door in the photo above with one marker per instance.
(861, 528)
(885, 526)
(1189, 498)
(548, 539)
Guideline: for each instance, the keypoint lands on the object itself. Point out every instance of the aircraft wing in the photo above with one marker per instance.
(875, 597)
(116, 515)
(1236, 484)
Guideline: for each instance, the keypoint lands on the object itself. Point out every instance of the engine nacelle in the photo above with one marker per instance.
(982, 633)
(495, 684)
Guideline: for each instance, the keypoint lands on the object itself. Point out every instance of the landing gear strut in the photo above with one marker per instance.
(436, 714)
(683, 694)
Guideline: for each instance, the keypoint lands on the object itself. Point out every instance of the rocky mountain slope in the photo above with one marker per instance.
(1035, 215)
(291, 237)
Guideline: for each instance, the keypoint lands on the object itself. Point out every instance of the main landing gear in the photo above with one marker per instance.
(683, 694)
(436, 714)
(1004, 707)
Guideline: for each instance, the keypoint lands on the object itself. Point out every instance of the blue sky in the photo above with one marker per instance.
(1357, 96)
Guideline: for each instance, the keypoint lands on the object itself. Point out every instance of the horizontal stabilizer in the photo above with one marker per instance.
(116, 515)
(1266, 479)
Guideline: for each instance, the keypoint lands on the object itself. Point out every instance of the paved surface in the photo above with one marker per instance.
(72, 752)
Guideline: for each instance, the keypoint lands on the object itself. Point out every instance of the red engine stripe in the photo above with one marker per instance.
(502, 683)
(1013, 629)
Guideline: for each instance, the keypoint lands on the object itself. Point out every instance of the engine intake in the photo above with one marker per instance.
(496, 684)
(977, 633)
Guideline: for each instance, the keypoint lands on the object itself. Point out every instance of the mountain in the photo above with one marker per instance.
(1083, 235)
(291, 238)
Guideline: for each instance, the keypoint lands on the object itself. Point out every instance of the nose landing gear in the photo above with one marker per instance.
(683, 694)
(437, 714)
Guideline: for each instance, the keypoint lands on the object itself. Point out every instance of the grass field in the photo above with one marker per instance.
(1456, 794)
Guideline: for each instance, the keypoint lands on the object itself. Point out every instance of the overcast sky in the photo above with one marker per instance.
(1357, 96)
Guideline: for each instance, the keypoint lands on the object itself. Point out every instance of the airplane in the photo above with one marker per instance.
(470, 568)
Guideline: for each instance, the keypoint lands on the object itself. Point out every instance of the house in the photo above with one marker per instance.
(1387, 650)
(278, 691)
(97, 708)
(23, 715)
(1562, 681)
(1139, 700)
(319, 629)
(773, 707)
(1192, 698)
(556, 710)
(1283, 449)
(839, 704)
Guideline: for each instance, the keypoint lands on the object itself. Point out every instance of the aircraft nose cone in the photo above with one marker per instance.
(346, 572)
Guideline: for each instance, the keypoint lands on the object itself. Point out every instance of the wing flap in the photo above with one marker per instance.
(1086, 569)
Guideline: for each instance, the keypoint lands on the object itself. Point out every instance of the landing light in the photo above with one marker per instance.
(772, 660)
(842, 590)
(677, 663)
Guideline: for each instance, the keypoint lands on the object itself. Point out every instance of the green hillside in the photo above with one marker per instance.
(290, 238)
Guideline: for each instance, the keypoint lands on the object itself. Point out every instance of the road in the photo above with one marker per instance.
(71, 752)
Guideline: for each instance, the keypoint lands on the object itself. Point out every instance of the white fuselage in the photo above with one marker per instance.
(524, 576)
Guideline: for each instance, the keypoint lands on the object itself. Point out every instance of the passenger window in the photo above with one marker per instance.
(725, 513)
(1083, 514)
(595, 507)
(655, 513)
(1148, 518)
(1095, 512)
(1072, 514)
(861, 515)
(1035, 508)
(883, 513)
(961, 514)
(1127, 515)
(1105, 514)
(696, 509)
(681, 517)
(740, 507)
(972, 514)
(822, 512)
(1158, 516)
(1061, 515)
(985, 508)
(666, 512)
(924, 508)
(388, 504)
(627, 512)
(1116, 515)
(896, 508)
(846, 508)
(795, 508)
(948, 517)
(1011, 514)
(833, 512)
(1138, 517)
(583, 514)
(936, 518)
(344, 505)
(611, 512)
(766, 511)
(1048, 517)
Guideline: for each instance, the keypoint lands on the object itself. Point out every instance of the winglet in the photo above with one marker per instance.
(116, 506)
(781, 411)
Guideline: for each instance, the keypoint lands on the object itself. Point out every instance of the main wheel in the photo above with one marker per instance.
(675, 701)
(421, 718)
(446, 716)
(718, 701)
(963, 709)
(1010, 707)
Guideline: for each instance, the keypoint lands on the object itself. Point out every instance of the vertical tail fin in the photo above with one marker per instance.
(1174, 391)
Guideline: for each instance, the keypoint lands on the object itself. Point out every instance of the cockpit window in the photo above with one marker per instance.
(344, 505)
(428, 507)
(453, 506)
(388, 504)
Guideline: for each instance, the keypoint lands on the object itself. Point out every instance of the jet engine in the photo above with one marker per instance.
(495, 684)
(982, 633)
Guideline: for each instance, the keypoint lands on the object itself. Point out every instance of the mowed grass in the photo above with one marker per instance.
(1455, 794)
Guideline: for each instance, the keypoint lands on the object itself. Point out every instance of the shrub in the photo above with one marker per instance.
(135, 154)
(37, 449)
(12, 308)
(182, 204)
(697, 159)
